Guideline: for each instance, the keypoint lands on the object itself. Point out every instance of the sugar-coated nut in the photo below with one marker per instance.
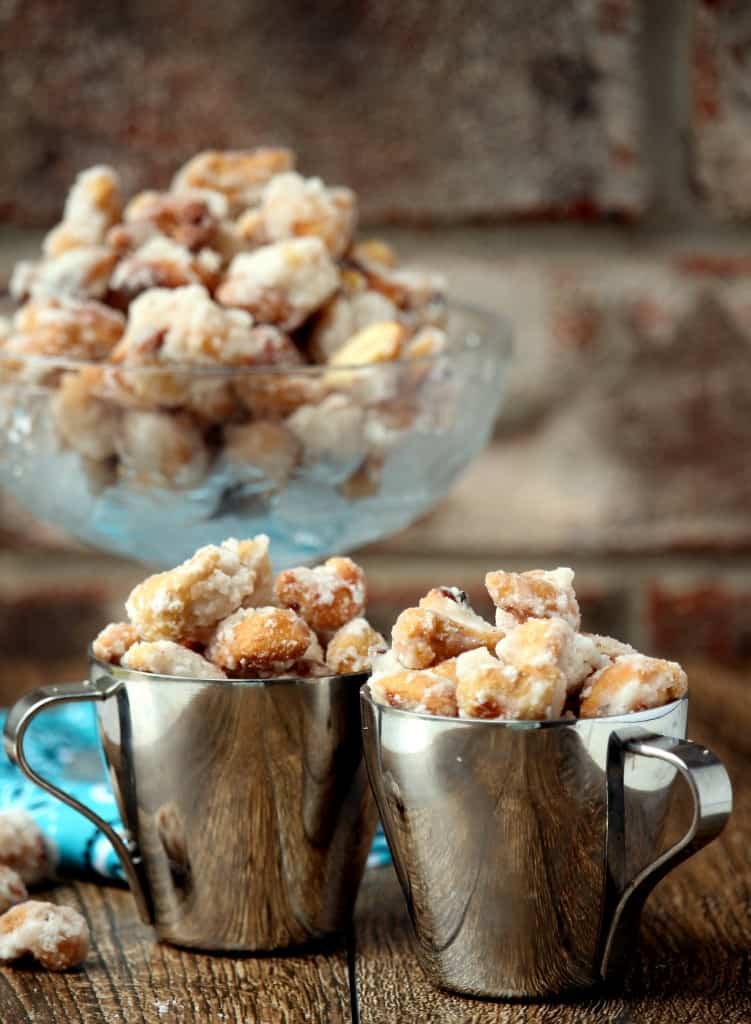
(374, 250)
(113, 641)
(161, 449)
(250, 231)
(331, 430)
(378, 343)
(293, 206)
(352, 647)
(12, 888)
(91, 208)
(186, 603)
(539, 644)
(426, 342)
(536, 594)
(162, 263)
(490, 688)
(262, 445)
(260, 641)
(421, 295)
(192, 218)
(609, 647)
(633, 682)
(211, 401)
(281, 283)
(343, 317)
(184, 325)
(84, 422)
(75, 328)
(327, 596)
(24, 848)
(277, 395)
(57, 937)
(366, 479)
(240, 175)
(443, 626)
(166, 658)
(428, 690)
(77, 273)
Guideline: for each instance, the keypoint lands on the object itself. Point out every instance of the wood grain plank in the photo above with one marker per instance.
(695, 962)
(129, 978)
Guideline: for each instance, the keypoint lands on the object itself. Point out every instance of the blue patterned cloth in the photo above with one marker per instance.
(62, 745)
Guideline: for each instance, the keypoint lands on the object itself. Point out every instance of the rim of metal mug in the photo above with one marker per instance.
(121, 672)
(648, 715)
(495, 332)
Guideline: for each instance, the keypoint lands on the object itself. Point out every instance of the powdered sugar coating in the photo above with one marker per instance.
(24, 848)
(489, 687)
(54, 326)
(352, 647)
(633, 682)
(157, 449)
(293, 206)
(187, 603)
(440, 628)
(91, 208)
(326, 596)
(262, 641)
(77, 273)
(163, 263)
(240, 174)
(165, 658)
(281, 283)
(58, 937)
(426, 691)
(536, 594)
(113, 641)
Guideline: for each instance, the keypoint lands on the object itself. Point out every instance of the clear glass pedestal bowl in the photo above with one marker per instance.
(352, 454)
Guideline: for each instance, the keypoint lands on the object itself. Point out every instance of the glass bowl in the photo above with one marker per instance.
(155, 462)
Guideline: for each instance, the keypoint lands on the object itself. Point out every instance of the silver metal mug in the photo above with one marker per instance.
(526, 850)
(246, 803)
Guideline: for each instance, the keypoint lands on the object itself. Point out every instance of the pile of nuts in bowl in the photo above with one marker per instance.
(171, 298)
(532, 663)
(221, 614)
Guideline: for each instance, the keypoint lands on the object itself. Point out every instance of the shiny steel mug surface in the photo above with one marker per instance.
(246, 803)
(526, 850)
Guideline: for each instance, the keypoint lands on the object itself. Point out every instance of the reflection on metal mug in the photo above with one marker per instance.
(526, 850)
(246, 803)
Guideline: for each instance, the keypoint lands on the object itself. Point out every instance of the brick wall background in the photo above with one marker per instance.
(583, 166)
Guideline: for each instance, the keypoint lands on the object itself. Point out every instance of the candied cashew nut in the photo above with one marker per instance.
(77, 273)
(161, 449)
(293, 206)
(536, 594)
(264, 445)
(12, 889)
(83, 420)
(187, 603)
(166, 658)
(633, 682)
(162, 263)
(24, 848)
(430, 691)
(79, 329)
(91, 208)
(262, 641)
(378, 343)
(58, 937)
(352, 647)
(443, 626)
(113, 641)
(191, 218)
(327, 596)
(333, 429)
(488, 687)
(281, 283)
(343, 317)
(240, 174)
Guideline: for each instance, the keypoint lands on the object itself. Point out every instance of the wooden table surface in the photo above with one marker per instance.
(695, 962)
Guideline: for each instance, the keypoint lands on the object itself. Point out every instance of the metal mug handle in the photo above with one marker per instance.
(712, 794)
(20, 718)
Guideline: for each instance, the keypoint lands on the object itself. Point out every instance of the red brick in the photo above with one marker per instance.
(721, 67)
(433, 110)
(709, 620)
